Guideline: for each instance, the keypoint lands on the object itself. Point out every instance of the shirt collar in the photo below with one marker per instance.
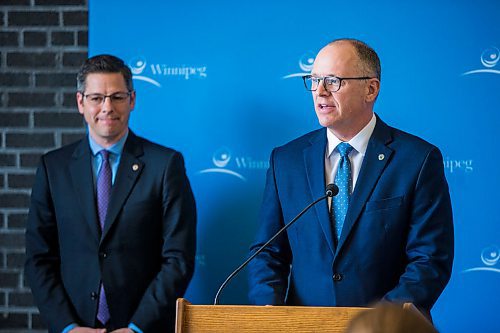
(116, 149)
(359, 142)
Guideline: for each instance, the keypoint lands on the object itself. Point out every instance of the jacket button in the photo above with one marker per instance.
(103, 254)
(337, 277)
(93, 296)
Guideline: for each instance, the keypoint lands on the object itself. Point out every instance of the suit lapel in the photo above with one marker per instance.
(80, 168)
(314, 159)
(376, 158)
(126, 176)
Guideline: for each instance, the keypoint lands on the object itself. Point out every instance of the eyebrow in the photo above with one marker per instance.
(116, 92)
(315, 74)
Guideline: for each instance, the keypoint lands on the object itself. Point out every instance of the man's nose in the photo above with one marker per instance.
(107, 105)
(321, 89)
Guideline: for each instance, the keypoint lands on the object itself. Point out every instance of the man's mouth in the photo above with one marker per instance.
(324, 106)
(107, 119)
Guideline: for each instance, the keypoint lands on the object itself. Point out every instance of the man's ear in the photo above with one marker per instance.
(132, 100)
(373, 89)
(79, 101)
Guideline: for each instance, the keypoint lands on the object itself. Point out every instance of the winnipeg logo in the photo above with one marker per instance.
(151, 72)
(305, 64)
(220, 160)
(489, 59)
(137, 66)
(489, 257)
(458, 165)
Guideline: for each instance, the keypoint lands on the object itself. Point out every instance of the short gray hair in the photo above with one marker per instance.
(369, 58)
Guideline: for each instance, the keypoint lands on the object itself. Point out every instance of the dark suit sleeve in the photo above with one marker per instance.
(268, 272)
(178, 252)
(43, 261)
(430, 245)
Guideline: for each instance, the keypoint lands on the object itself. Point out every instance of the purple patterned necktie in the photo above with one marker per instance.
(103, 194)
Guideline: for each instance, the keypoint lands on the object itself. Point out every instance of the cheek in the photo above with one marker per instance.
(90, 115)
(125, 115)
(346, 103)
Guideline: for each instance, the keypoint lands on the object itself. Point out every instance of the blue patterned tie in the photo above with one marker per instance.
(343, 180)
(103, 194)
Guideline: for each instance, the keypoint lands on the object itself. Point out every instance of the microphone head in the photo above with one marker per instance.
(332, 190)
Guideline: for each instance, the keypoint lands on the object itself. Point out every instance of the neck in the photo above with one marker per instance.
(350, 129)
(107, 142)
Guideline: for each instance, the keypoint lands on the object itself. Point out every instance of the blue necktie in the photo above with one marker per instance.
(103, 194)
(343, 180)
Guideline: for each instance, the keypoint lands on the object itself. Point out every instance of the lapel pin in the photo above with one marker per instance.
(135, 167)
(381, 157)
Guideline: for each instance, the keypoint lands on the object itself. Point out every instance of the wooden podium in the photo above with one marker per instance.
(252, 319)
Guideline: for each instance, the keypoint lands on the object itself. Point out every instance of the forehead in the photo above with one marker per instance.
(105, 81)
(338, 59)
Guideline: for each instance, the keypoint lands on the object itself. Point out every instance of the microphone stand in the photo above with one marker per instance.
(331, 191)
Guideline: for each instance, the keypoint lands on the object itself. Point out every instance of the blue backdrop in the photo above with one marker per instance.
(219, 81)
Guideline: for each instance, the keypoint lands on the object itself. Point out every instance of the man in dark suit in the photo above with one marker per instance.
(387, 235)
(111, 233)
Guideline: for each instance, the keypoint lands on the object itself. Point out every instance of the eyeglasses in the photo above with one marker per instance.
(99, 99)
(330, 83)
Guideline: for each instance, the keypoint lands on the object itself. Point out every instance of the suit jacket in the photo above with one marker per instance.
(397, 240)
(145, 254)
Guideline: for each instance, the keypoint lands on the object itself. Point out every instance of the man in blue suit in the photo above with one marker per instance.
(111, 232)
(388, 235)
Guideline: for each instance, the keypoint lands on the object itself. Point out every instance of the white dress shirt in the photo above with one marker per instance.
(332, 157)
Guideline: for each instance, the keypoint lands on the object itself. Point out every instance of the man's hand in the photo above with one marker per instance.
(123, 330)
(87, 330)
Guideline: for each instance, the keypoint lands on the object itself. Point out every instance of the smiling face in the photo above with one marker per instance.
(107, 122)
(348, 110)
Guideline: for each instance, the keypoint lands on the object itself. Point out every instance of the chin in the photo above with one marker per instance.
(326, 122)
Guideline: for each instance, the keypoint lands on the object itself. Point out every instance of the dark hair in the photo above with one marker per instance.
(103, 63)
(369, 58)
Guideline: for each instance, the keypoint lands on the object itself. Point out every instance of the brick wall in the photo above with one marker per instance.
(42, 43)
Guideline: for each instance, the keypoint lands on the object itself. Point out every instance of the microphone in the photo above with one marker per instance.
(331, 191)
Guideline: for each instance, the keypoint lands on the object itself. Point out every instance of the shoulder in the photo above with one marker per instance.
(299, 144)
(155, 154)
(411, 143)
(409, 150)
(155, 149)
(401, 141)
(65, 153)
